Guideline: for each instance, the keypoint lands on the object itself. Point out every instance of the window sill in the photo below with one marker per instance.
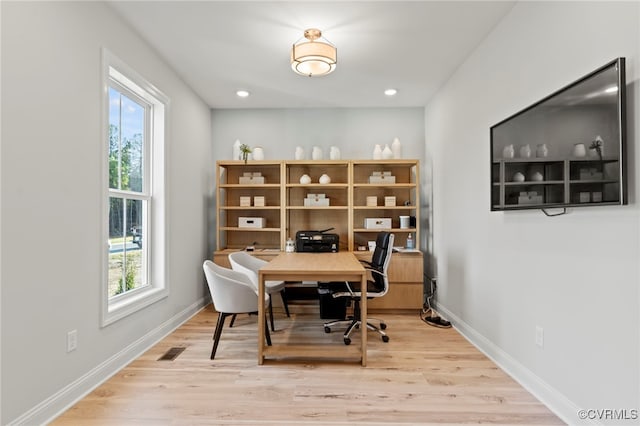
(133, 303)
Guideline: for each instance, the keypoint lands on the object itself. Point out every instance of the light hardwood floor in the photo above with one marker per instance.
(424, 375)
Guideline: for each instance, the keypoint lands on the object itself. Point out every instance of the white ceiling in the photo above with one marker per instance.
(218, 47)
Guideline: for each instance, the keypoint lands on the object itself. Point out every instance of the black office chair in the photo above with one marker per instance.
(376, 287)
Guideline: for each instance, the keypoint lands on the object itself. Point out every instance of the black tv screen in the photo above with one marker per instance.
(567, 150)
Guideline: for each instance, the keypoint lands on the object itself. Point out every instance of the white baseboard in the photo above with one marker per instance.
(58, 403)
(549, 396)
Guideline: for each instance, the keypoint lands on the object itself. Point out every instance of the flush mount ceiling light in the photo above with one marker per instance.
(390, 92)
(313, 55)
(242, 93)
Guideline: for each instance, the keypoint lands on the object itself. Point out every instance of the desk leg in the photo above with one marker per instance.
(363, 316)
(261, 319)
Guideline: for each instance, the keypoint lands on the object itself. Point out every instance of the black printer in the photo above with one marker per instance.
(316, 241)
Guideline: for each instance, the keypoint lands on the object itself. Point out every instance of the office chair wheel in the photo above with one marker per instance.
(385, 339)
(347, 341)
(383, 326)
(327, 329)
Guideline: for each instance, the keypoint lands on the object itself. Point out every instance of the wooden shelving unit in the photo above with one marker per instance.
(284, 212)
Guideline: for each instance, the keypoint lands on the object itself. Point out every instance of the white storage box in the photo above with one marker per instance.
(251, 222)
(372, 201)
(530, 197)
(316, 202)
(245, 201)
(590, 174)
(585, 197)
(382, 179)
(390, 201)
(258, 201)
(377, 223)
(251, 180)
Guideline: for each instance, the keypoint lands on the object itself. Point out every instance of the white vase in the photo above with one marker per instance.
(334, 153)
(396, 147)
(258, 153)
(525, 151)
(305, 179)
(542, 150)
(324, 179)
(579, 150)
(236, 150)
(387, 154)
(508, 151)
(316, 153)
(299, 154)
(377, 152)
(518, 177)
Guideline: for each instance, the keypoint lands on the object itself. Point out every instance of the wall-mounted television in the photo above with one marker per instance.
(567, 150)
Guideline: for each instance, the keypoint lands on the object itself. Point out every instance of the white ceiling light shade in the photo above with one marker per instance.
(313, 55)
(390, 92)
(242, 93)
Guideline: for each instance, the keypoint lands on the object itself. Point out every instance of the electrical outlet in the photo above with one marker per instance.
(539, 336)
(72, 340)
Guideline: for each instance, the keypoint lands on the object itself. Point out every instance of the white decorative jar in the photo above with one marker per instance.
(377, 152)
(387, 154)
(258, 153)
(299, 154)
(525, 151)
(542, 150)
(325, 179)
(316, 153)
(334, 153)
(305, 179)
(508, 151)
(518, 177)
(579, 150)
(396, 148)
(236, 150)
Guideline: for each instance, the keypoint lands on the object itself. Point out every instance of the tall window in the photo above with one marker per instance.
(135, 275)
(129, 195)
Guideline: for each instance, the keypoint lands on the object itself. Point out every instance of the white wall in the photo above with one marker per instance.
(51, 199)
(501, 274)
(354, 130)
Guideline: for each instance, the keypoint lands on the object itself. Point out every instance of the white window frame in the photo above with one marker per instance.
(155, 164)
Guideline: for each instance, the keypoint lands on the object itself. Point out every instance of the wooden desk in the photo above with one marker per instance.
(341, 266)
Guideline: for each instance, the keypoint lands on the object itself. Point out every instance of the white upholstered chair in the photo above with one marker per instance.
(232, 293)
(244, 262)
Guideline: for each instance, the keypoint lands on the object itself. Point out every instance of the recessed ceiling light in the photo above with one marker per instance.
(242, 93)
(390, 92)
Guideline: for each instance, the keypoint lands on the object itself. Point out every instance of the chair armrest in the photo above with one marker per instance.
(375, 271)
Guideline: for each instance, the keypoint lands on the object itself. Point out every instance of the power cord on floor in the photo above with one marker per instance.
(428, 314)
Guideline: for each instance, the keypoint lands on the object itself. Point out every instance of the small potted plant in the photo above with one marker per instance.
(597, 146)
(245, 151)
